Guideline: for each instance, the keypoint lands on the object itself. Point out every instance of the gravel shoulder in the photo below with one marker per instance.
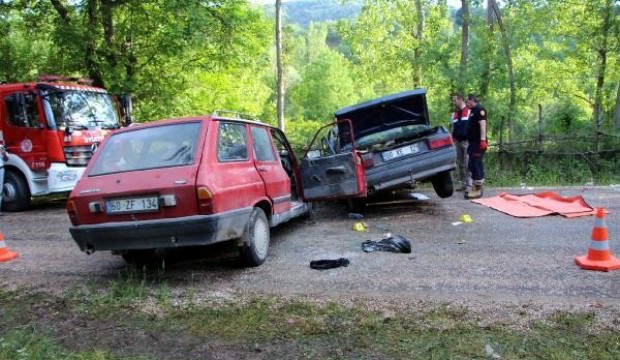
(496, 266)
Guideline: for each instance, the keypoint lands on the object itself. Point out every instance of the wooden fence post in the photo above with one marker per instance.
(500, 153)
(540, 129)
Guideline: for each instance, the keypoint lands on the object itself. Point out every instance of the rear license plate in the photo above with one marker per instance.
(131, 205)
(396, 153)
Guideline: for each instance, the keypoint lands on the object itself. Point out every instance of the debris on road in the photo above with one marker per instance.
(463, 219)
(394, 243)
(355, 216)
(466, 219)
(419, 196)
(326, 264)
(461, 242)
(360, 226)
(490, 352)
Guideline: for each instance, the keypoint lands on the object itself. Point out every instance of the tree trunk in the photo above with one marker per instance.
(94, 72)
(600, 78)
(487, 57)
(61, 10)
(617, 115)
(417, 52)
(464, 45)
(108, 32)
(511, 77)
(279, 65)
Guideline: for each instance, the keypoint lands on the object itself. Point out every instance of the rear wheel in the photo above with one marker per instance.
(16, 195)
(356, 205)
(442, 183)
(255, 239)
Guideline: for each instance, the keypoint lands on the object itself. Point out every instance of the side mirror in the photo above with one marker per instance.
(126, 108)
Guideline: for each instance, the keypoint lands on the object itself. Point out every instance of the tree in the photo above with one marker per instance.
(464, 43)
(279, 66)
(511, 76)
(327, 84)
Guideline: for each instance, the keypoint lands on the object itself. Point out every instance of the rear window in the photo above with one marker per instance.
(148, 148)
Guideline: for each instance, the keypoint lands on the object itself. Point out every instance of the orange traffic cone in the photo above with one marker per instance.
(599, 256)
(5, 253)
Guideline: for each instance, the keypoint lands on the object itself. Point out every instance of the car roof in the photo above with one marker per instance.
(186, 119)
(382, 100)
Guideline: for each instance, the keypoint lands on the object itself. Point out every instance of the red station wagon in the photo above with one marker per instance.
(198, 181)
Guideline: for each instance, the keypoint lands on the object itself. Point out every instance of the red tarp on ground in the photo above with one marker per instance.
(541, 204)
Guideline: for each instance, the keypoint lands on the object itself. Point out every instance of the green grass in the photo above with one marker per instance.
(548, 170)
(29, 344)
(294, 329)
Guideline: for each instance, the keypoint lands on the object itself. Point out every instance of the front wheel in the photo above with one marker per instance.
(442, 183)
(16, 195)
(255, 239)
(356, 205)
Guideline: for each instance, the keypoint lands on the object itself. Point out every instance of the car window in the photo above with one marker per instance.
(25, 114)
(232, 143)
(148, 148)
(263, 151)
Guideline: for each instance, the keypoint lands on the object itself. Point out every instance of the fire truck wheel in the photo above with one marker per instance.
(255, 238)
(16, 196)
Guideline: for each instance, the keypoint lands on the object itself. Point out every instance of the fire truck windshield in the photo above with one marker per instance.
(83, 110)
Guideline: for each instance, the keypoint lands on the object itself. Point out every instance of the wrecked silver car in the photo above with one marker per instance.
(398, 145)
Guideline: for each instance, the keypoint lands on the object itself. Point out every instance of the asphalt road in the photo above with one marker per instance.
(495, 258)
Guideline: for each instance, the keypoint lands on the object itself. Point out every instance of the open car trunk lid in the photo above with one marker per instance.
(393, 111)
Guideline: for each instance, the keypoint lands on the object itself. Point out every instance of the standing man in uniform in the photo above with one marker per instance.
(477, 145)
(459, 126)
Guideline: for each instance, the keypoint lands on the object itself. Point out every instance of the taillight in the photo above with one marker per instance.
(205, 200)
(440, 142)
(72, 211)
(367, 160)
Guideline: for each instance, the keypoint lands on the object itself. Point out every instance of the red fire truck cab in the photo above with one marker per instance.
(51, 129)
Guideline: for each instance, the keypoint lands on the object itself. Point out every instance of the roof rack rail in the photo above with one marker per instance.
(235, 114)
(52, 78)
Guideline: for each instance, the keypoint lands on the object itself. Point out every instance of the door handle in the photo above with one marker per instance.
(262, 169)
(336, 170)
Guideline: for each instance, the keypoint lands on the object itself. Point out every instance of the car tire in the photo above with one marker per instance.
(356, 205)
(308, 214)
(255, 239)
(15, 192)
(443, 185)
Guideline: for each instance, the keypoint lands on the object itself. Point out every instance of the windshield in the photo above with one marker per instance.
(83, 110)
(148, 148)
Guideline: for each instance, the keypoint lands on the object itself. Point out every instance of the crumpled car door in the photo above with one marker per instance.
(329, 175)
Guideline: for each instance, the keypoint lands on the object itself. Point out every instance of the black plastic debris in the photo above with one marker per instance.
(355, 216)
(329, 263)
(394, 243)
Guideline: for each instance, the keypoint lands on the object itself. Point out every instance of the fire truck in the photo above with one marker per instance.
(50, 129)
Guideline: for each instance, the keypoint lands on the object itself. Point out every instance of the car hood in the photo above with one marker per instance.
(387, 112)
